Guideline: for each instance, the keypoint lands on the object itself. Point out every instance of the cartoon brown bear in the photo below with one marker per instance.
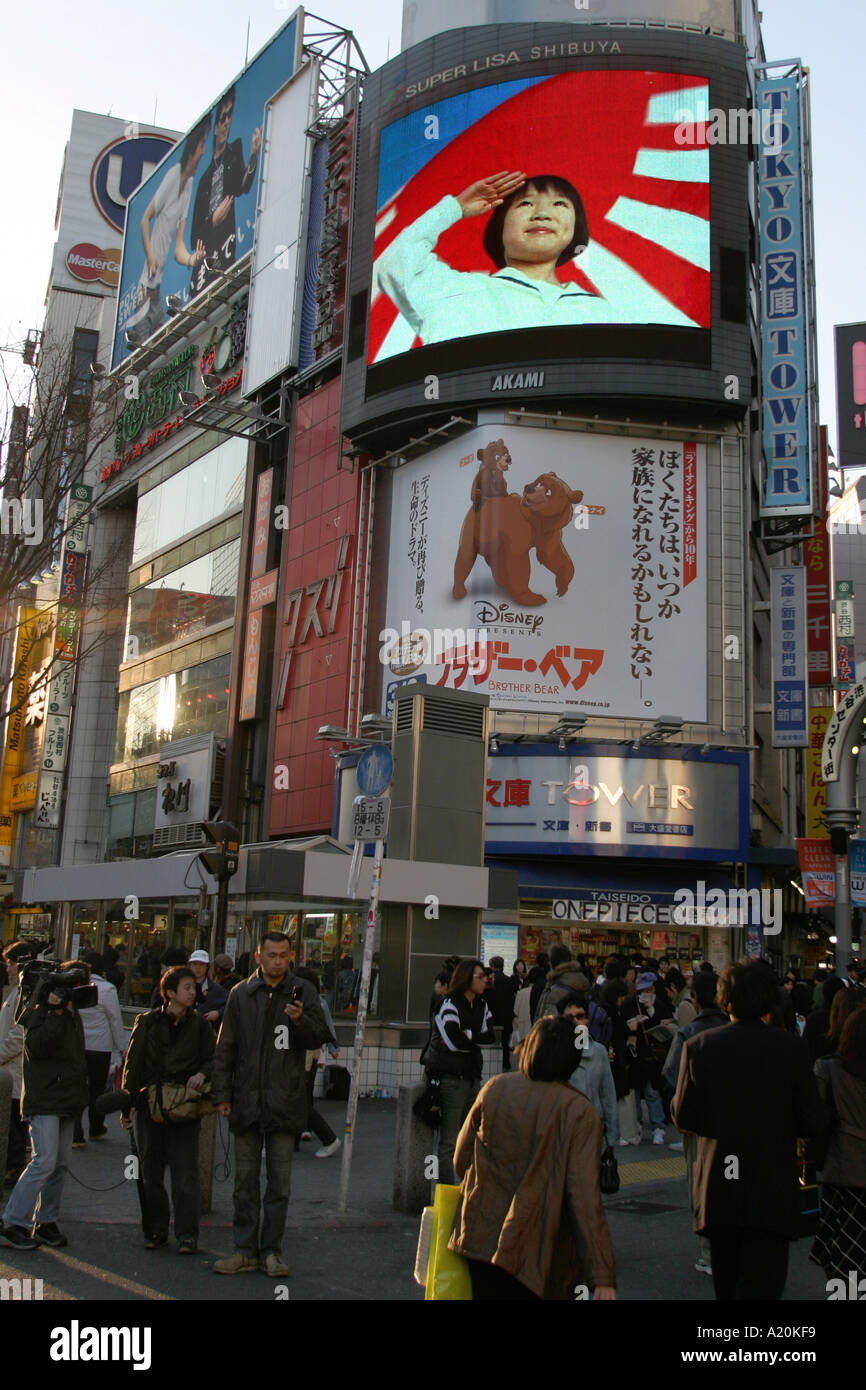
(489, 481)
(509, 527)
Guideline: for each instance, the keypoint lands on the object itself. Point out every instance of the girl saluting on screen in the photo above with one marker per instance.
(535, 225)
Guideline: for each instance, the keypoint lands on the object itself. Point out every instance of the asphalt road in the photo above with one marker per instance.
(366, 1255)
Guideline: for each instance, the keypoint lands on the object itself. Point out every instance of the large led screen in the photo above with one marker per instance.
(195, 215)
(542, 203)
(552, 571)
(539, 216)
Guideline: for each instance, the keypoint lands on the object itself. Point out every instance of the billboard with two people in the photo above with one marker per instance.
(194, 217)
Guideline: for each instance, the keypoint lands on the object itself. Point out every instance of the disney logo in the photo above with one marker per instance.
(487, 613)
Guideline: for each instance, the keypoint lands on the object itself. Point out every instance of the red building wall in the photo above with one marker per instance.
(322, 530)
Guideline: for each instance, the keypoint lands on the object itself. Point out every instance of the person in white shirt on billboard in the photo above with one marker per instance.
(164, 224)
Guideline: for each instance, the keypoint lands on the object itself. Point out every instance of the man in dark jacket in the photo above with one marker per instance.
(55, 1091)
(271, 1020)
(565, 981)
(501, 1004)
(708, 1016)
(749, 1093)
(210, 996)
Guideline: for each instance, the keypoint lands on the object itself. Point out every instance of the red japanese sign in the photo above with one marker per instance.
(264, 491)
(690, 513)
(252, 656)
(264, 590)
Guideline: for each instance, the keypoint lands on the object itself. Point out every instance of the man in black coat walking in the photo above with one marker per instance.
(501, 1003)
(749, 1093)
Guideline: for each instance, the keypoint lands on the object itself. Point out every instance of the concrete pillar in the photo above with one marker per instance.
(415, 1142)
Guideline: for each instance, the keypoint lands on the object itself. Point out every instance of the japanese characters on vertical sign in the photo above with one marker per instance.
(48, 800)
(72, 577)
(817, 870)
(331, 286)
(816, 792)
(252, 659)
(788, 599)
(307, 610)
(816, 558)
(419, 504)
(784, 322)
(77, 507)
(264, 492)
(664, 541)
(845, 665)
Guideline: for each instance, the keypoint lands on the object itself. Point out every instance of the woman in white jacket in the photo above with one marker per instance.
(537, 225)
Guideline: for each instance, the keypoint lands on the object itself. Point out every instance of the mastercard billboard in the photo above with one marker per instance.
(87, 262)
(531, 220)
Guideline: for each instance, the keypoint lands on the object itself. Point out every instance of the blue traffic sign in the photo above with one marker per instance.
(375, 769)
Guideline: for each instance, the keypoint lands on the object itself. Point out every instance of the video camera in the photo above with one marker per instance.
(39, 978)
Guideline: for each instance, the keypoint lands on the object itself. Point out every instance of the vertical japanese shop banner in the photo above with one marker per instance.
(817, 869)
(815, 788)
(788, 601)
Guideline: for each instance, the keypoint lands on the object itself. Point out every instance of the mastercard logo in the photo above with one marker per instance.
(87, 262)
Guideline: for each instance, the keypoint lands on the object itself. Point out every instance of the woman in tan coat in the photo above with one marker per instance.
(530, 1221)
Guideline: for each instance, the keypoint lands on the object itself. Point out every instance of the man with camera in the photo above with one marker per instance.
(271, 1020)
(55, 1090)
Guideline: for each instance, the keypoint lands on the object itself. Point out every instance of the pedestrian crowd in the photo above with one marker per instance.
(247, 1048)
(759, 1077)
(751, 1077)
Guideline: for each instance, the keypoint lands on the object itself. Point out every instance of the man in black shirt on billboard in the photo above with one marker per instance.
(227, 177)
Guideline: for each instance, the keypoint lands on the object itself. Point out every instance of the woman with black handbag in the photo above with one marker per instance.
(840, 1245)
(167, 1072)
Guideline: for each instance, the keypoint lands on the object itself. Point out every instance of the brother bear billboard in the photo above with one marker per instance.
(552, 571)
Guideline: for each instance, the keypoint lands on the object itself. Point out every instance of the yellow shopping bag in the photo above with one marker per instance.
(447, 1273)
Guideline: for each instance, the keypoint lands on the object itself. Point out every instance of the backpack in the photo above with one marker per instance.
(600, 1024)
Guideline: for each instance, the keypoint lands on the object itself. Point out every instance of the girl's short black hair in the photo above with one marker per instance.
(548, 1052)
(544, 183)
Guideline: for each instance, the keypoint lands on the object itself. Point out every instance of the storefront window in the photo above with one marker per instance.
(185, 931)
(185, 602)
(213, 484)
(85, 929)
(116, 949)
(194, 701)
(148, 943)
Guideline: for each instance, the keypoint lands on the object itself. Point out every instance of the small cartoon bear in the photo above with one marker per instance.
(490, 481)
(509, 528)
